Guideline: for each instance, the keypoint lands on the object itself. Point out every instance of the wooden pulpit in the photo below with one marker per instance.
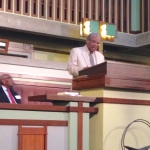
(114, 75)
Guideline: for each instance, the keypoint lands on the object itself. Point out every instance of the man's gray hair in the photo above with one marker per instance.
(2, 77)
(93, 35)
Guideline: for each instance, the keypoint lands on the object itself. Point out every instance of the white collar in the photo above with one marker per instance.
(4, 88)
(87, 50)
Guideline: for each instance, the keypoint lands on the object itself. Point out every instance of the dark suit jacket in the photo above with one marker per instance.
(4, 98)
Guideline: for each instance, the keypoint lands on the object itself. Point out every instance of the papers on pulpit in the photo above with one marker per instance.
(72, 93)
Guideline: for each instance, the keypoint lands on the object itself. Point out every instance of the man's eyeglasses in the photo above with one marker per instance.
(94, 42)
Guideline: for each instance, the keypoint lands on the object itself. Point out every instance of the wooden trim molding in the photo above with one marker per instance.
(35, 107)
(73, 8)
(42, 9)
(50, 9)
(123, 101)
(80, 126)
(58, 10)
(34, 8)
(33, 122)
(2, 5)
(4, 49)
(26, 7)
(60, 98)
(65, 10)
(17, 7)
(79, 11)
(83, 109)
(45, 107)
(9, 6)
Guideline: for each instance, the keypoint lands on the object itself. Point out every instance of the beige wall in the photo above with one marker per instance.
(56, 57)
(107, 127)
(129, 57)
(48, 56)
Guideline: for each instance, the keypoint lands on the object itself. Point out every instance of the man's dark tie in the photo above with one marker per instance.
(91, 59)
(11, 97)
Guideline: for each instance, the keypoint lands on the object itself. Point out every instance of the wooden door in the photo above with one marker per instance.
(32, 138)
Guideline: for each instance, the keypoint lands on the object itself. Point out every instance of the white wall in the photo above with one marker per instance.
(56, 137)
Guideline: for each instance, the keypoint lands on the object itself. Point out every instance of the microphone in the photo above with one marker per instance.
(111, 57)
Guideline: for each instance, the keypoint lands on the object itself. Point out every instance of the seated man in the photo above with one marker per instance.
(7, 94)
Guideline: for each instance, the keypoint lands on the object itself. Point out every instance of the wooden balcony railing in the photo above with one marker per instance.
(72, 11)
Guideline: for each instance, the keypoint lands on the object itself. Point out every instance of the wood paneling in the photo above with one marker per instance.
(28, 85)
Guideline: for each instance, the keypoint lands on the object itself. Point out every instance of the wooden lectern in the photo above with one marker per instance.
(124, 92)
(114, 75)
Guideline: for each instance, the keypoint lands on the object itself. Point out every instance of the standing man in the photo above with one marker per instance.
(7, 94)
(86, 56)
